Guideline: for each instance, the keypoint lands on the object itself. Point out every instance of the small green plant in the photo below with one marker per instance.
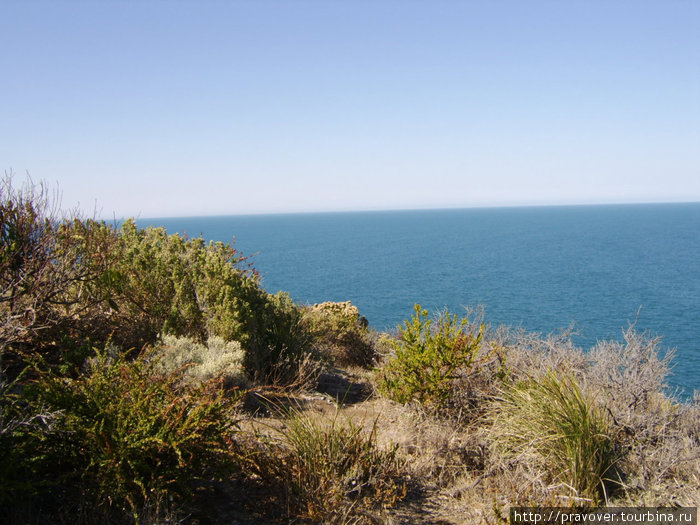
(329, 468)
(428, 358)
(551, 424)
(130, 435)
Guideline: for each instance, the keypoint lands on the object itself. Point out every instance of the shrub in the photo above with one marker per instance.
(328, 469)
(167, 284)
(67, 284)
(341, 333)
(18, 423)
(184, 287)
(280, 352)
(216, 359)
(551, 425)
(660, 435)
(50, 267)
(428, 358)
(130, 435)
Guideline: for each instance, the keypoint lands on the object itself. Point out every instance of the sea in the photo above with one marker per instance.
(597, 268)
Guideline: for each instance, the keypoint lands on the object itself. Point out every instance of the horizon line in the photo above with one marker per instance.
(406, 209)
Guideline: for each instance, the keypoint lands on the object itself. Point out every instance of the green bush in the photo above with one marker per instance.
(19, 424)
(550, 424)
(280, 353)
(68, 284)
(165, 284)
(341, 333)
(129, 435)
(429, 357)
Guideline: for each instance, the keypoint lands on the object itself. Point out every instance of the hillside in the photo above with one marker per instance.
(149, 378)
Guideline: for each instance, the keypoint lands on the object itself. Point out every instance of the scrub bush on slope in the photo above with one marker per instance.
(428, 358)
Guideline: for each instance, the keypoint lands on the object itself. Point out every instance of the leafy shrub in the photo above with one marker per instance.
(67, 284)
(167, 284)
(340, 332)
(328, 469)
(550, 424)
(281, 353)
(129, 435)
(184, 287)
(216, 359)
(428, 358)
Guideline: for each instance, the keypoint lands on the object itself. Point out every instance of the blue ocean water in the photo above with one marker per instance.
(542, 268)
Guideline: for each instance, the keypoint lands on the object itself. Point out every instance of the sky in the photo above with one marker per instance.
(181, 108)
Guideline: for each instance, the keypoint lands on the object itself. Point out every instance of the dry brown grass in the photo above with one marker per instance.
(463, 479)
(452, 471)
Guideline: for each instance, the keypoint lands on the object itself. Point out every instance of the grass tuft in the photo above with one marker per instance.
(551, 424)
(329, 470)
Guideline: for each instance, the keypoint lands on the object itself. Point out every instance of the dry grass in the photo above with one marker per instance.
(661, 435)
(537, 421)
(324, 467)
(453, 462)
(650, 439)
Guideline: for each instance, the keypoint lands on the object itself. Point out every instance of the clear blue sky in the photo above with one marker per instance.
(201, 107)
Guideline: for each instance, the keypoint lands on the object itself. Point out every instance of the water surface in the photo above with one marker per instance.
(542, 268)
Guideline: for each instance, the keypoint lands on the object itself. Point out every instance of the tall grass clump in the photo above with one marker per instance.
(129, 435)
(428, 358)
(549, 423)
(329, 470)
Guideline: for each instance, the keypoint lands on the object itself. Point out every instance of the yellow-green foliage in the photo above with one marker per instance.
(341, 333)
(171, 285)
(551, 424)
(283, 345)
(130, 434)
(428, 358)
(218, 358)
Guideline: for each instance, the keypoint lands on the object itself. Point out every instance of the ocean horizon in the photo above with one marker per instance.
(598, 268)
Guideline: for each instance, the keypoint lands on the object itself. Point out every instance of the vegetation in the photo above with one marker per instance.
(329, 469)
(128, 434)
(149, 378)
(428, 358)
(217, 359)
(339, 331)
(550, 422)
